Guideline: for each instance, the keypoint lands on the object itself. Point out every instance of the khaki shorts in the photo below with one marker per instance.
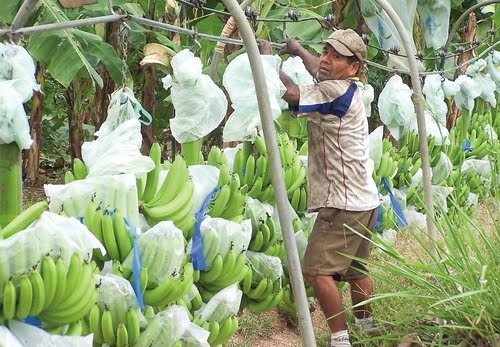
(330, 237)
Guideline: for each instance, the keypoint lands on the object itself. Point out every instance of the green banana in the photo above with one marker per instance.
(24, 219)
(38, 290)
(153, 175)
(25, 298)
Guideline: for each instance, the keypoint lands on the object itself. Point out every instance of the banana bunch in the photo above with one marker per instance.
(288, 305)
(79, 171)
(173, 200)
(454, 150)
(191, 301)
(261, 296)
(263, 234)
(415, 197)
(476, 184)
(219, 160)
(411, 141)
(110, 229)
(461, 190)
(113, 330)
(224, 272)
(276, 249)
(230, 201)
(220, 332)
(55, 294)
(170, 289)
(24, 219)
(388, 220)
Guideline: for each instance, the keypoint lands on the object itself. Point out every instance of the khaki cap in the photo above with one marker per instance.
(348, 43)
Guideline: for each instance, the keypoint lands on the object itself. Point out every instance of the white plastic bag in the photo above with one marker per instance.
(435, 18)
(14, 126)
(16, 64)
(238, 81)
(200, 105)
(264, 266)
(50, 234)
(35, 337)
(442, 170)
(492, 68)
(123, 106)
(415, 218)
(223, 304)
(386, 33)
(8, 339)
(396, 106)
(294, 68)
(469, 90)
(113, 192)
(376, 137)
(367, 94)
(117, 152)
(487, 85)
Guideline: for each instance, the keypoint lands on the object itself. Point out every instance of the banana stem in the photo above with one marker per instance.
(11, 198)
(191, 152)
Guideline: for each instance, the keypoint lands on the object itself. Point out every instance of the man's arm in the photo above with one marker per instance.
(292, 94)
(311, 62)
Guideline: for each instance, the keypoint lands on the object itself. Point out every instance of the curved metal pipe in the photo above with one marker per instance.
(278, 182)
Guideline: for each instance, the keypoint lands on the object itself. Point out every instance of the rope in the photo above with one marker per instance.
(226, 32)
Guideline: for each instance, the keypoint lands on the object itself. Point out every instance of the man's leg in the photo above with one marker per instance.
(361, 290)
(329, 300)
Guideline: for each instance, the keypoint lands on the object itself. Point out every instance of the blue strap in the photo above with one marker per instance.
(466, 146)
(136, 265)
(34, 321)
(395, 206)
(197, 257)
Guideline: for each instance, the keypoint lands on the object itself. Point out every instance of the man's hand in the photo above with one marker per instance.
(292, 47)
(264, 46)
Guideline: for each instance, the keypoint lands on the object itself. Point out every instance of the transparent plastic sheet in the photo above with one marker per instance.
(50, 234)
(229, 153)
(435, 19)
(117, 295)
(472, 199)
(221, 235)
(294, 68)
(388, 237)
(396, 106)
(117, 152)
(264, 266)
(8, 339)
(238, 81)
(482, 167)
(434, 128)
(491, 134)
(417, 180)
(222, 305)
(166, 242)
(301, 242)
(171, 325)
(367, 94)
(123, 106)
(469, 90)
(440, 194)
(16, 64)
(434, 98)
(493, 68)
(442, 170)
(450, 88)
(14, 126)
(415, 218)
(258, 211)
(376, 137)
(32, 336)
(386, 33)
(111, 192)
(486, 84)
(200, 105)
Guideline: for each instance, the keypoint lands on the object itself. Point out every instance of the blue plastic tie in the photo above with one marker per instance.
(34, 321)
(378, 222)
(395, 206)
(136, 265)
(466, 146)
(197, 257)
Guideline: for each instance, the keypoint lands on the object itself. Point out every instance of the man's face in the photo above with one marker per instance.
(334, 66)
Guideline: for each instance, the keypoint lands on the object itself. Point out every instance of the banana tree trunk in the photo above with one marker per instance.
(148, 102)
(11, 193)
(102, 94)
(32, 158)
(74, 120)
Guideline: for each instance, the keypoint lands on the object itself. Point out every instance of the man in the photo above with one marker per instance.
(341, 187)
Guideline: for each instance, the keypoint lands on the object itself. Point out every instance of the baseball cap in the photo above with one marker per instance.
(348, 43)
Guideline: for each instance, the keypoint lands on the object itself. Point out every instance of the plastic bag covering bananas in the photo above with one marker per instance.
(50, 234)
(33, 336)
(169, 326)
(115, 318)
(200, 105)
(162, 252)
(173, 199)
